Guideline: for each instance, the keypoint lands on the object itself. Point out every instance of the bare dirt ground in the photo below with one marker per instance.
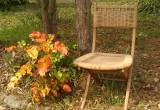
(147, 75)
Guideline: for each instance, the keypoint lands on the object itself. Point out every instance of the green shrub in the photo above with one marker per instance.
(46, 63)
(149, 6)
(6, 4)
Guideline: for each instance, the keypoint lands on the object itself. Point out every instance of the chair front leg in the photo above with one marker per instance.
(86, 91)
(128, 89)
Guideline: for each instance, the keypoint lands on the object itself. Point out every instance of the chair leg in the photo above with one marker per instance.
(86, 91)
(96, 78)
(128, 90)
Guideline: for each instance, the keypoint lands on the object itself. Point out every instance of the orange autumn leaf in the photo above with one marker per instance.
(35, 34)
(35, 93)
(10, 49)
(60, 47)
(66, 88)
(41, 38)
(43, 65)
(38, 37)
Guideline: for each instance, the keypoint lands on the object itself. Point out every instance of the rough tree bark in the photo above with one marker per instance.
(48, 11)
(52, 15)
(83, 15)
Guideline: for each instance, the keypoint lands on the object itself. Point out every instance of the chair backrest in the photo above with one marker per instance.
(114, 15)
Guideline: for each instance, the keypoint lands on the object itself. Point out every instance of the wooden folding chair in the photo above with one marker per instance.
(114, 16)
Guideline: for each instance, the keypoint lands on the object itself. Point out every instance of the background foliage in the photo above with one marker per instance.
(6, 4)
(150, 6)
(147, 6)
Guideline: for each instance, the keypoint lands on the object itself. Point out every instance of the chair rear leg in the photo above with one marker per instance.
(86, 91)
(128, 90)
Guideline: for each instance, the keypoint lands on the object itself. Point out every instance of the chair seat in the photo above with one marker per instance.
(104, 61)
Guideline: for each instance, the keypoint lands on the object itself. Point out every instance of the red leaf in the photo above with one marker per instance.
(66, 88)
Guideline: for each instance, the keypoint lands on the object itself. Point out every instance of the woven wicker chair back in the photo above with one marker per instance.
(112, 15)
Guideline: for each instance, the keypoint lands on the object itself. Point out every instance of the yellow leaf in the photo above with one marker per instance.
(10, 86)
(50, 38)
(12, 83)
(33, 52)
(19, 75)
(26, 69)
(14, 79)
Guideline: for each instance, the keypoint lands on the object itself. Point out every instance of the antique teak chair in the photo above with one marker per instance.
(112, 16)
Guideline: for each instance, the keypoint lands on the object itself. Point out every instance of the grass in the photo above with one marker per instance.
(114, 92)
(18, 23)
(148, 25)
(18, 33)
(22, 20)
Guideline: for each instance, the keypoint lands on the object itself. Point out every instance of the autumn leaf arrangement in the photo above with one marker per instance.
(45, 65)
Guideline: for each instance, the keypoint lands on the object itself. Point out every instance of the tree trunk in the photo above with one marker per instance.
(48, 11)
(52, 16)
(83, 14)
(44, 14)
